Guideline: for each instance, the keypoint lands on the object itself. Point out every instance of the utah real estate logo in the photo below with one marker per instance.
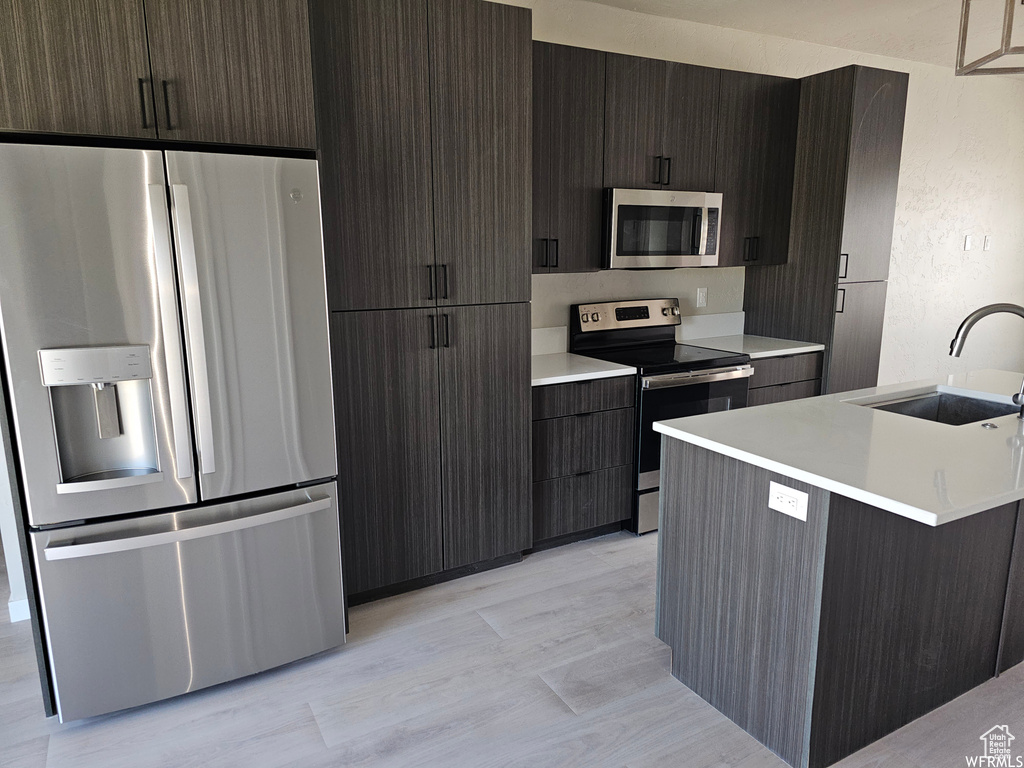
(998, 752)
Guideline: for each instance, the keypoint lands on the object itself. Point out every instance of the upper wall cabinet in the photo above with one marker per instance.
(481, 74)
(230, 71)
(568, 158)
(661, 124)
(424, 113)
(75, 66)
(372, 72)
(757, 126)
(875, 132)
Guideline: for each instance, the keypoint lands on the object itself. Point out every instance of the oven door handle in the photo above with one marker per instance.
(697, 377)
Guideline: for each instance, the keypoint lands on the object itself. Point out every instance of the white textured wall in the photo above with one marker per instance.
(962, 172)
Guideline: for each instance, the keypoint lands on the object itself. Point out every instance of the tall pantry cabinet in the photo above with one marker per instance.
(832, 290)
(424, 126)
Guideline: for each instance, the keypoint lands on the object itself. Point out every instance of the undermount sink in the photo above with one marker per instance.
(943, 407)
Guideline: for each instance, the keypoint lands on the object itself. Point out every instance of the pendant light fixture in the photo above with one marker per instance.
(991, 38)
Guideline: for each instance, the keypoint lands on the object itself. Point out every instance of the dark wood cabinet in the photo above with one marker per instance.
(373, 112)
(582, 456)
(856, 336)
(568, 505)
(568, 158)
(232, 71)
(75, 66)
(481, 65)
(425, 151)
(433, 424)
(485, 434)
(387, 393)
(756, 147)
(872, 174)
(661, 124)
(844, 186)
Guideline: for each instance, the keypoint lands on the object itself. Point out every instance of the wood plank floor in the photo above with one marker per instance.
(550, 662)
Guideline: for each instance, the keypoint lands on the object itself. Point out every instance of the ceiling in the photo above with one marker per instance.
(918, 30)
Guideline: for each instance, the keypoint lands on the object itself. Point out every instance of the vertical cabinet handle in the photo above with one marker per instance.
(553, 261)
(142, 103)
(840, 301)
(431, 282)
(658, 162)
(165, 86)
(433, 331)
(751, 248)
(444, 280)
(668, 171)
(844, 265)
(447, 335)
(544, 251)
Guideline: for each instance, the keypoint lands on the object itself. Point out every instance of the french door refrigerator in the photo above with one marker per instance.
(164, 324)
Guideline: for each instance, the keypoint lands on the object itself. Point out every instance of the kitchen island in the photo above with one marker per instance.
(897, 587)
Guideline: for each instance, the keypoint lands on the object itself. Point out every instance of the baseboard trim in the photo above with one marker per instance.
(18, 610)
(372, 595)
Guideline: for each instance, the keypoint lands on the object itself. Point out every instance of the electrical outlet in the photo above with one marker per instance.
(788, 501)
(702, 297)
(988, 243)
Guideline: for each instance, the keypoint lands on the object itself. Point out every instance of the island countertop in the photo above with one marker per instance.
(930, 472)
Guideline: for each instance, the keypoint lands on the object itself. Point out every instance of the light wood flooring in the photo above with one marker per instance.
(550, 662)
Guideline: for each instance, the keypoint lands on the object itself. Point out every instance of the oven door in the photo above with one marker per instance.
(662, 229)
(673, 396)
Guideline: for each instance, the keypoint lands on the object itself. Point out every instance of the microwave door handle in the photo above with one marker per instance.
(703, 231)
(696, 240)
(182, 215)
(174, 359)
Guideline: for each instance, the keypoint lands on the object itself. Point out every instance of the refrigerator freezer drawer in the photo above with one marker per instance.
(147, 609)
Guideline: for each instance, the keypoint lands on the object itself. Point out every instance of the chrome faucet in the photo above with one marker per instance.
(957, 345)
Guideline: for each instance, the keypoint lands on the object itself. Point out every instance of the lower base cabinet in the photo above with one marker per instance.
(582, 456)
(433, 427)
(778, 379)
(578, 503)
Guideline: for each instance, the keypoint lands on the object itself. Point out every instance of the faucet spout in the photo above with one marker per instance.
(957, 345)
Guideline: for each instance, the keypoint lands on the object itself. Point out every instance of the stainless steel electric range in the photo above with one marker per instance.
(673, 380)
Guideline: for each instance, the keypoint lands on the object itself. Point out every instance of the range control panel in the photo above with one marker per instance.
(617, 315)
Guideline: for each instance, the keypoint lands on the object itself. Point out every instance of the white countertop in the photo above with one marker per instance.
(930, 472)
(757, 346)
(563, 368)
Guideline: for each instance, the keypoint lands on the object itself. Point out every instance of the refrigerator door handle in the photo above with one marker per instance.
(182, 214)
(170, 332)
(111, 546)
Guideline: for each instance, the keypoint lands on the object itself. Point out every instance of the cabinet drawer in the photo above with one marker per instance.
(780, 393)
(579, 503)
(583, 397)
(782, 370)
(583, 443)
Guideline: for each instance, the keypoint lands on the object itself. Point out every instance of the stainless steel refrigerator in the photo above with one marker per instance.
(164, 325)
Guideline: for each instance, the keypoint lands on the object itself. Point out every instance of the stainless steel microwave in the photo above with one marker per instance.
(658, 229)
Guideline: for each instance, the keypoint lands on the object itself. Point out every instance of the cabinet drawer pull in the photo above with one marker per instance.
(165, 86)
(142, 102)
